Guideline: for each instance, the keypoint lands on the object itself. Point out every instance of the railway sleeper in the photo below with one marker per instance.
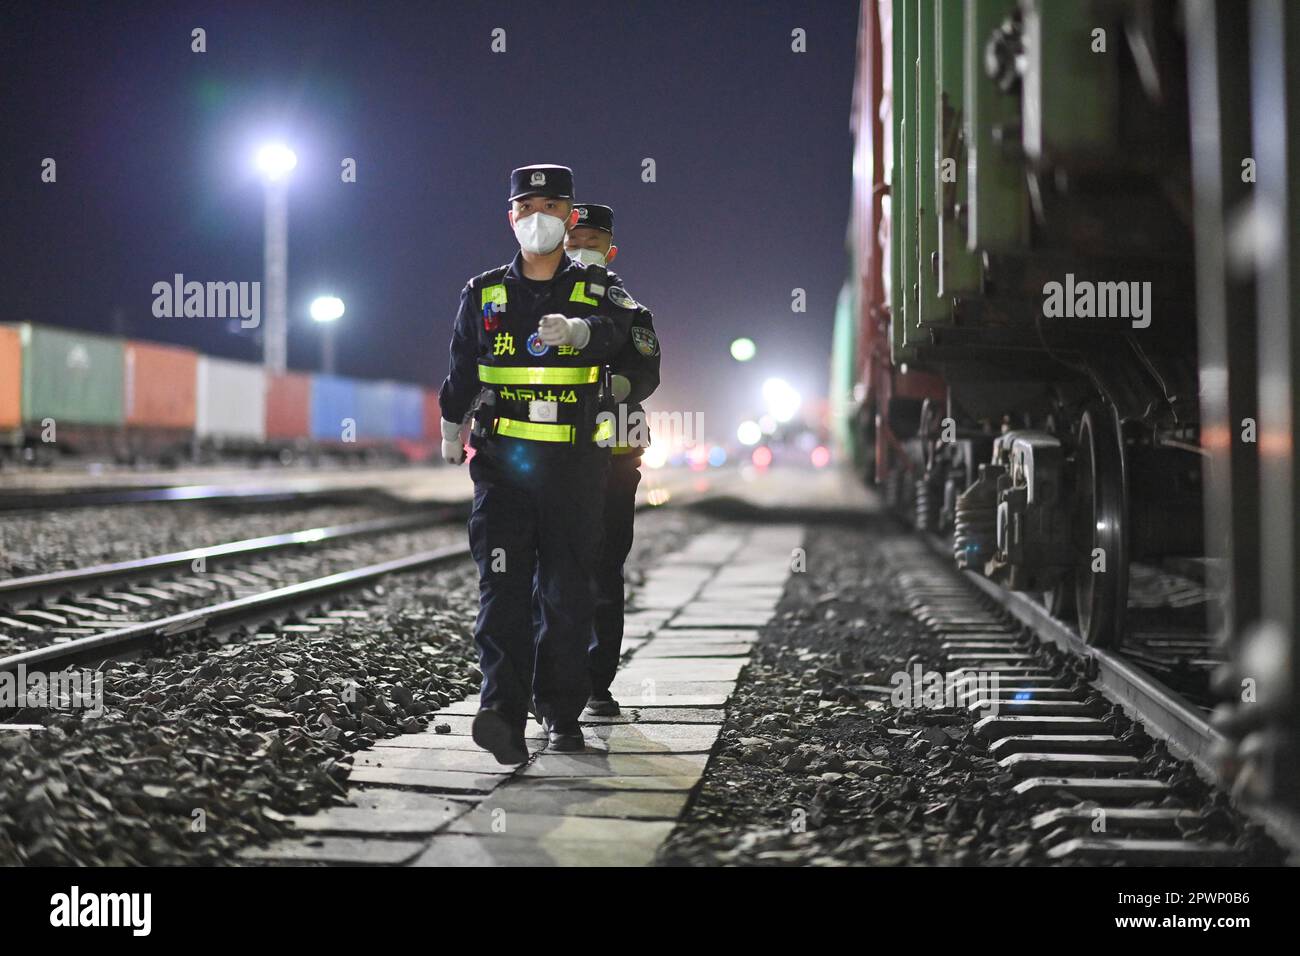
(1144, 852)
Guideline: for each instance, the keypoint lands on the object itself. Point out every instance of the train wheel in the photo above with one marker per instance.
(1100, 535)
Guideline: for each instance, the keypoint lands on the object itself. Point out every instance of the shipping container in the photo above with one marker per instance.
(375, 410)
(432, 416)
(408, 411)
(231, 400)
(159, 385)
(288, 405)
(335, 408)
(11, 379)
(70, 377)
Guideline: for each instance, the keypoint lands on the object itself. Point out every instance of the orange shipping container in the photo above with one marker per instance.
(11, 379)
(432, 416)
(160, 385)
(288, 405)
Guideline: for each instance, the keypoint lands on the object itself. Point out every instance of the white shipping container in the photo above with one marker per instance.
(231, 400)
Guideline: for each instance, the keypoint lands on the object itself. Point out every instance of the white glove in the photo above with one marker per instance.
(555, 329)
(453, 449)
(620, 386)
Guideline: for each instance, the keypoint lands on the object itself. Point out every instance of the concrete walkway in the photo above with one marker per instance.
(434, 799)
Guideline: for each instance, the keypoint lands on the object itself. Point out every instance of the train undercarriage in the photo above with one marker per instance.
(1073, 291)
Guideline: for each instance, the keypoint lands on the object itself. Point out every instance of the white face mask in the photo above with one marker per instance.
(588, 257)
(539, 233)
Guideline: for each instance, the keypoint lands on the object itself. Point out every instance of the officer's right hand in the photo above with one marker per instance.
(453, 449)
(555, 329)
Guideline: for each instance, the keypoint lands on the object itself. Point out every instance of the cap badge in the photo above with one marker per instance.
(538, 179)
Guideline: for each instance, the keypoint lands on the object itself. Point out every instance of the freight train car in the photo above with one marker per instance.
(1075, 274)
(72, 394)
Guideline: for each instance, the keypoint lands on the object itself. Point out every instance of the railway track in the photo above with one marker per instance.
(85, 615)
(1102, 751)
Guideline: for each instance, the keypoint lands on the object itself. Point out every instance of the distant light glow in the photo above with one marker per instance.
(717, 456)
(749, 433)
(742, 349)
(276, 161)
(657, 496)
(762, 456)
(782, 400)
(821, 456)
(768, 424)
(656, 456)
(327, 308)
(698, 458)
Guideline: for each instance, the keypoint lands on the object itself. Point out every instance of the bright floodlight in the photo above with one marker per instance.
(327, 308)
(276, 160)
(781, 398)
(742, 350)
(749, 433)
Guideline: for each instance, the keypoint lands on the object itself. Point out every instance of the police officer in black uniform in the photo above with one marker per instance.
(527, 359)
(634, 375)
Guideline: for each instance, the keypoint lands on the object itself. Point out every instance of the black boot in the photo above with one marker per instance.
(603, 705)
(564, 738)
(496, 733)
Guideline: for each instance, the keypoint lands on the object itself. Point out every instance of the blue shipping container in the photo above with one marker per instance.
(375, 400)
(335, 401)
(408, 412)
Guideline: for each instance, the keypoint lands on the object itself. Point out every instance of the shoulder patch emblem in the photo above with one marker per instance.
(618, 295)
(645, 341)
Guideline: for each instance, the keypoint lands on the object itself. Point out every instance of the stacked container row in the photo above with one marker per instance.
(82, 379)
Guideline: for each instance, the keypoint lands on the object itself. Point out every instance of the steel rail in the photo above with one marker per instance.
(228, 614)
(1163, 711)
(16, 590)
(254, 607)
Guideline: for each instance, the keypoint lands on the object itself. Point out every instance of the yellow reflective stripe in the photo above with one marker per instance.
(538, 375)
(492, 293)
(542, 431)
(624, 449)
(579, 294)
(534, 431)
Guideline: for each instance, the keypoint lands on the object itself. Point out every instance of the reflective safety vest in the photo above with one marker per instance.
(537, 392)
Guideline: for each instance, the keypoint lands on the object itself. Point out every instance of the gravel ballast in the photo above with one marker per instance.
(815, 765)
(209, 747)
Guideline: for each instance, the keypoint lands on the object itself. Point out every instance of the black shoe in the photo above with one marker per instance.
(493, 732)
(565, 738)
(603, 705)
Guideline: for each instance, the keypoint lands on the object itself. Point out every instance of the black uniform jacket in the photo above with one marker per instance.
(496, 327)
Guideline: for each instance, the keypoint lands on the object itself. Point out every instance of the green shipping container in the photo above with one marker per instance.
(71, 377)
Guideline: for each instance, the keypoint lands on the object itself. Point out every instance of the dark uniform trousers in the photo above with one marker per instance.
(620, 510)
(540, 504)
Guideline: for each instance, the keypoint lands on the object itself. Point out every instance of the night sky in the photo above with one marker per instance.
(154, 144)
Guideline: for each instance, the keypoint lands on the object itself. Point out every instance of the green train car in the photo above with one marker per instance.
(1074, 283)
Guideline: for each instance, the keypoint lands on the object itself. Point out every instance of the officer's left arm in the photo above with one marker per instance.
(610, 327)
(638, 360)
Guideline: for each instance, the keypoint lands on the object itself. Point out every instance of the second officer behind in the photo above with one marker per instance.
(527, 355)
(634, 376)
